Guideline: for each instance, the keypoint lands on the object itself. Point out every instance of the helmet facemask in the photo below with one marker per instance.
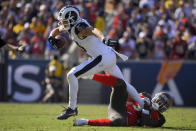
(161, 101)
(67, 17)
(64, 25)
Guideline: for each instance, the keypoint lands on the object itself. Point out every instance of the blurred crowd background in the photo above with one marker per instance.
(145, 29)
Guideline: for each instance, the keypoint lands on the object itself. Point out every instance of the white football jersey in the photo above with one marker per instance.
(91, 44)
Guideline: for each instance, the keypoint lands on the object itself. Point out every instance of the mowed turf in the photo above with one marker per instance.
(42, 117)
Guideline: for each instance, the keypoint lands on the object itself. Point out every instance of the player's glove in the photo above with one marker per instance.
(147, 104)
(145, 116)
(53, 42)
(110, 42)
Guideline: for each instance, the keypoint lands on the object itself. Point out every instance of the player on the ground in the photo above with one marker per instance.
(90, 40)
(124, 111)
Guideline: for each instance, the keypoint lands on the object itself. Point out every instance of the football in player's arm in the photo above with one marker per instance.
(84, 31)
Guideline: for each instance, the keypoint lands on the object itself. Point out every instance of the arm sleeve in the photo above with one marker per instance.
(2, 43)
(147, 120)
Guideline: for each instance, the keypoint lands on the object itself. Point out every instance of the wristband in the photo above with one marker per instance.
(52, 40)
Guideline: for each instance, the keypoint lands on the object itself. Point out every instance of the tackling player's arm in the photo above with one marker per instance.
(19, 48)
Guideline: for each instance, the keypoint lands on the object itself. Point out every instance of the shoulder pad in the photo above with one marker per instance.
(80, 26)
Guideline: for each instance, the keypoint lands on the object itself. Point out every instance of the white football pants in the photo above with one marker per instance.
(105, 62)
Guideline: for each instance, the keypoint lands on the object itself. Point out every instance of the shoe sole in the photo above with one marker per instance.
(66, 117)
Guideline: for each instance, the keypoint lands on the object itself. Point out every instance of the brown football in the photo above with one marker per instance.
(61, 41)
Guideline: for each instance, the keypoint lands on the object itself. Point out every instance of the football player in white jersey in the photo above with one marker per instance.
(93, 42)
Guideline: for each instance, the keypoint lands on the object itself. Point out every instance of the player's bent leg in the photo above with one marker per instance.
(85, 68)
(73, 89)
(116, 110)
(120, 83)
(117, 107)
(115, 71)
(105, 79)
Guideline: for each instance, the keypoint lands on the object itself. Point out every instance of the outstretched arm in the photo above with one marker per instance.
(19, 48)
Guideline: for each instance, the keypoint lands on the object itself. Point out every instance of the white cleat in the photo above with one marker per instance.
(80, 122)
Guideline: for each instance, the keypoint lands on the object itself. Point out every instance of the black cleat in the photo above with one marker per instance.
(68, 113)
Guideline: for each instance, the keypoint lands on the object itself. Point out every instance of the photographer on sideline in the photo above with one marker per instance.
(53, 81)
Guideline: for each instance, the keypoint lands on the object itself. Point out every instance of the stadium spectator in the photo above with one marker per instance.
(37, 25)
(29, 12)
(165, 16)
(19, 27)
(179, 47)
(100, 22)
(127, 45)
(37, 44)
(143, 46)
(191, 39)
(159, 46)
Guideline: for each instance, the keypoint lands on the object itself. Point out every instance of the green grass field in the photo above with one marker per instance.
(42, 117)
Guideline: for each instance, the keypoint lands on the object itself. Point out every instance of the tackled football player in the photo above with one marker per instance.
(124, 111)
(91, 40)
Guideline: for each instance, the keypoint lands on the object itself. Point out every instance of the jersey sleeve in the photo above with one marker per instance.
(81, 26)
